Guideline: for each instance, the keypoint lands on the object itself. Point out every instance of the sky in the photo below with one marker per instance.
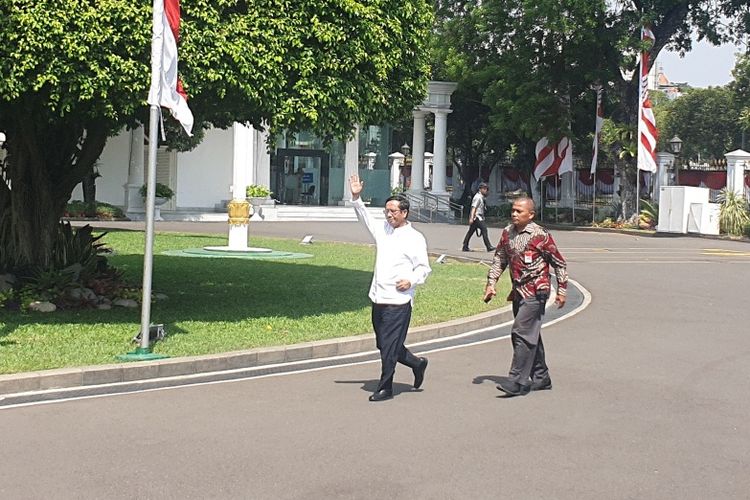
(705, 65)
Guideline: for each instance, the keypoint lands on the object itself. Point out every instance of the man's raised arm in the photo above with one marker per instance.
(356, 186)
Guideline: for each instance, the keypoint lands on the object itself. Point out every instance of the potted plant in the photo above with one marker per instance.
(257, 194)
(163, 193)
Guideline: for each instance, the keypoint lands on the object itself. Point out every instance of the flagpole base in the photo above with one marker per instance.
(141, 354)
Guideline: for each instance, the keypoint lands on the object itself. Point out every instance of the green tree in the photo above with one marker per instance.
(707, 121)
(546, 55)
(74, 73)
(740, 87)
(475, 144)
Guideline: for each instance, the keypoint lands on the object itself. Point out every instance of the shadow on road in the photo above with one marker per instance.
(495, 379)
(372, 385)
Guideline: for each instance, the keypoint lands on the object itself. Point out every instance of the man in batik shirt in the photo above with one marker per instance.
(529, 250)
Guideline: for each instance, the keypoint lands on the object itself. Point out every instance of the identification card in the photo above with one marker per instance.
(527, 257)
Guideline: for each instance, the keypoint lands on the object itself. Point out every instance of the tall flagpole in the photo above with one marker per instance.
(557, 198)
(541, 194)
(574, 181)
(639, 133)
(157, 43)
(593, 202)
(637, 190)
(642, 92)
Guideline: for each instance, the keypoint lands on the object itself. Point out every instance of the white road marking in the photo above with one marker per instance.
(584, 305)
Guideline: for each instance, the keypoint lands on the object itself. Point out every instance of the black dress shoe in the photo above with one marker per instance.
(541, 385)
(513, 388)
(491, 249)
(419, 373)
(466, 249)
(381, 395)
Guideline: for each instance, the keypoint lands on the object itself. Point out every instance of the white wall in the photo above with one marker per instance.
(204, 175)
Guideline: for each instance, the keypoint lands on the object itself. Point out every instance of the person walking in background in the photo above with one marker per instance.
(401, 263)
(476, 218)
(529, 250)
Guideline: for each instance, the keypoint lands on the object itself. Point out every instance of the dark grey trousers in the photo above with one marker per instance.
(526, 336)
(391, 322)
(478, 224)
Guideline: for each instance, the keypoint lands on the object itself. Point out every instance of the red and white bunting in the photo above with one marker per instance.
(598, 129)
(166, 90)
(553, 159)
(647, 132)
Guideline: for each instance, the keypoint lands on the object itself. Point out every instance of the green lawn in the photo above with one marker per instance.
(219, 305)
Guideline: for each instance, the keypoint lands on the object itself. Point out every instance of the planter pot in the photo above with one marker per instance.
(158, 201)
(259, 202)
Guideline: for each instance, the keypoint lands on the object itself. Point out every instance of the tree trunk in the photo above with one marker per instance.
(469, 175)
(31, 213)
(88, 184)
(45, 162)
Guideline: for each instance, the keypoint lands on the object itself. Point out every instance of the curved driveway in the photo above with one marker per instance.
(650, 400)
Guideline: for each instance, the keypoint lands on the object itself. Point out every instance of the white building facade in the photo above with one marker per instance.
(300, 170)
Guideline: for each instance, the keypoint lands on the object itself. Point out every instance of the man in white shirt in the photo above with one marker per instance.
(401, 264)
(476, 218)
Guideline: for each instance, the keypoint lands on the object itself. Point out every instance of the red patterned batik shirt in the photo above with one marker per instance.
(529, 253)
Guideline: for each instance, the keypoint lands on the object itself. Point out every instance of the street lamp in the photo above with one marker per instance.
(675, 145)
(371, 160)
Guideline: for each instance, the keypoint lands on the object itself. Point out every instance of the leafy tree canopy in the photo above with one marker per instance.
(73, 73)
(705, 119)
(740, 87)
(544, 57)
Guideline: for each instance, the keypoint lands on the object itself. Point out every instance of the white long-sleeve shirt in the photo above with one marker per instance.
(401, 253)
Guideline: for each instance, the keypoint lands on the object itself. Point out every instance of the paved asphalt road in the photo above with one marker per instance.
(650, 401)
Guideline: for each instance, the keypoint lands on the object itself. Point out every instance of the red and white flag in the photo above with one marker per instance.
(166, 87)
(647, 132)
(553, 159)
(598, 129)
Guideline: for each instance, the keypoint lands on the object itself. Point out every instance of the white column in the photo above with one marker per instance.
(134, 207)
(428, 162)
(262, 160)
(351, 163)
(566, 186)
(737, 162)
(241, 167)
(440, 150)
(664, 163)
(397, 160)
(417, 152)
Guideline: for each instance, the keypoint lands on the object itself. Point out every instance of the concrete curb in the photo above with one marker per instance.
(92, 376)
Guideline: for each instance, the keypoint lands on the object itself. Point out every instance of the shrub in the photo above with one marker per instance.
(649, 215)
(734, 216)
(104, 211)
(162, 191)
(257, 191)
(77, 276)
(501, 211)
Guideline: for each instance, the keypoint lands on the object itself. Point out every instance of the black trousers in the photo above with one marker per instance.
(483, 229)
(391, 322)
(526, 335)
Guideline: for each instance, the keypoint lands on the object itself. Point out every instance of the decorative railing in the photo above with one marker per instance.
(427, 207)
